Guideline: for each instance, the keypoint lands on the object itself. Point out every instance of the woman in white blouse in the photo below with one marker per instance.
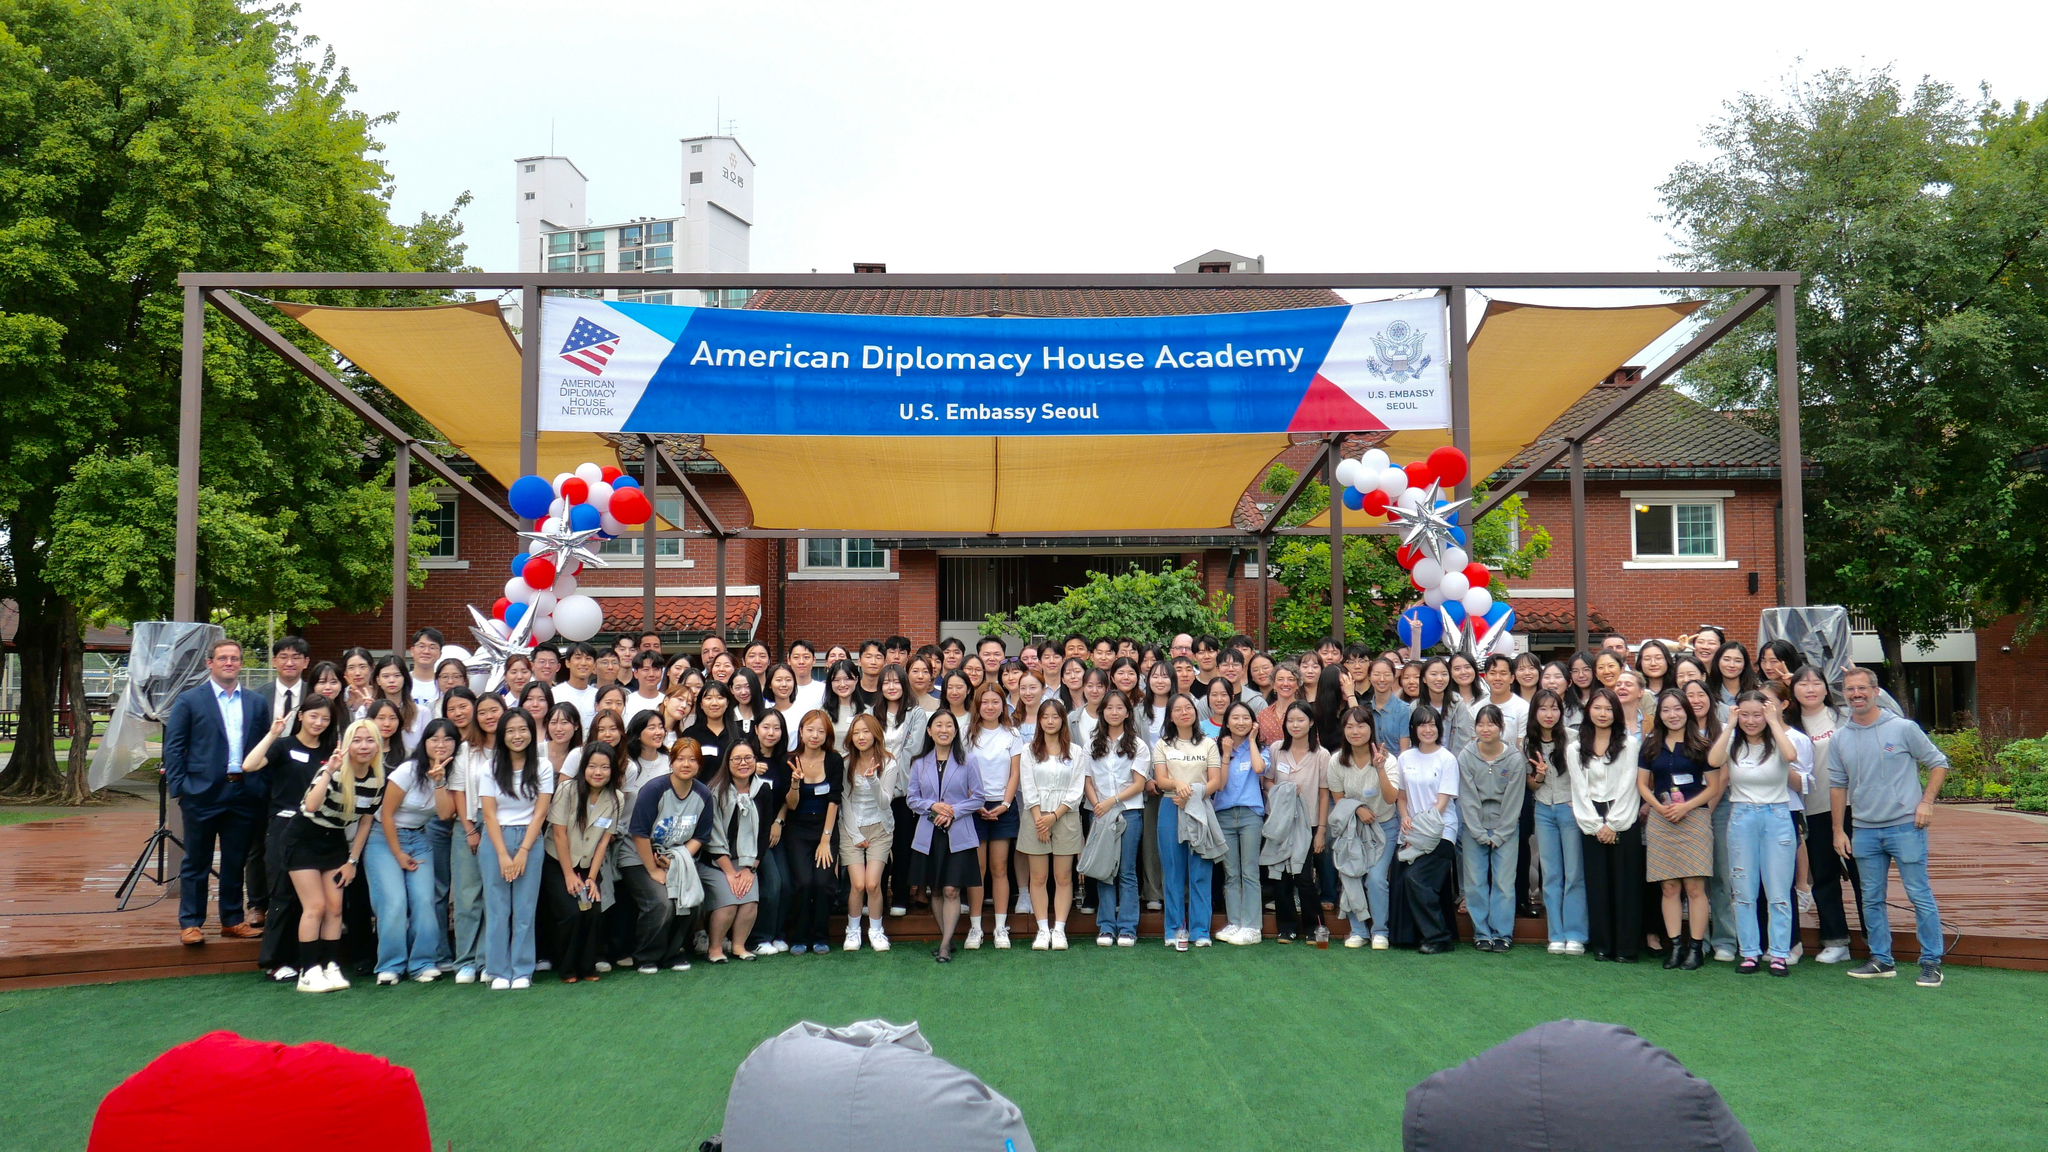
(1119, 766)
(1050, 781)
(1605, 803)
(1760, 757)
(991, 749)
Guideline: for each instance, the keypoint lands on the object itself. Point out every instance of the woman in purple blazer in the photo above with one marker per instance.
(945, 792)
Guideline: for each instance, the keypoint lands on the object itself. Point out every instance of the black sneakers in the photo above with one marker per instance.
(1873, 970)
(1930, 974)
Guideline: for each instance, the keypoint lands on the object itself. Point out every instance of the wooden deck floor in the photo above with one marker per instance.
(58, 880)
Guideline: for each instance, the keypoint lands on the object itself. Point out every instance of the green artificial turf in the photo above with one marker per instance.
(1280, 1047)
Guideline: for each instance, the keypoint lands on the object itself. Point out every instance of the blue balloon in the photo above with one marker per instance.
(1458, 534)
(606, 536)
(1354, 499)
(519, 563)
(1420, 627)
(584, 517)
(530, 497)
(512, 614)
(1456, 610)
(624, 481)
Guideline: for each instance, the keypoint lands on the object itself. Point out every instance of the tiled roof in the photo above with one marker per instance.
(681, 448)
(680, 613)
(1664, 431)
(1039, 301)
(109, 639)
(1545, 614)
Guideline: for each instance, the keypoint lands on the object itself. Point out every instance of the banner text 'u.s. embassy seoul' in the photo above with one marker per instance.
(629, 367)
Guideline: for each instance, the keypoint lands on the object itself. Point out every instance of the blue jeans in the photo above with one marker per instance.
(1243, 834)
(408, 936)
(1876, 849)
(1376, 881)
(1186, 879)
(439, 835)
(1490, 886)
(466, 896)
(1564, 873)
(1721, 886)
(509, 907)
(1762, 850)
(1116, 905)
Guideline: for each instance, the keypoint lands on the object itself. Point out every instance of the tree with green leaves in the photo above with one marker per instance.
(1376, 587)
(143, 138)
(1916, 218)
(1152, 606)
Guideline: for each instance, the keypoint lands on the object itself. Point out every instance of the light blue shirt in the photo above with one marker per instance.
(1240, 784)
(230, 701)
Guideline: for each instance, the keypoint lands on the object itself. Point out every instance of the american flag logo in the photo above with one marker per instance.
(588, 346)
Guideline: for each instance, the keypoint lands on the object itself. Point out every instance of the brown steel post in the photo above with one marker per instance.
(1264, 604)
(1461, 392)
(1579, 624)
(401, 540)
(718, 609)
(529, 381)
(648, 572)
(1791, 482)
(191, 394)
(1336, 538)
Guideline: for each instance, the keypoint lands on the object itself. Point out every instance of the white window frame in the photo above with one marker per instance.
(448, 500)
(806, 571)
(1715, 498)
(668, 505)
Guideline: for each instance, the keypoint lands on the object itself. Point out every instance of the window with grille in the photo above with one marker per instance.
(668, 508)
(848, 554)
(1671, 530)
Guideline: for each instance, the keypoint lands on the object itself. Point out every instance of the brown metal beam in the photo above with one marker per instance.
(650, 530)
(1460, 343)
(1719, 327)
(494, 281)
(1791, 477)
(191, 396)
(1308, 473)
(689, 490)
(306, 366)
(401, 541)
(1330, 458)
(1579, 621)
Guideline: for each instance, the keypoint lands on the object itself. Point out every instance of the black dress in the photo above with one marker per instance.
(941, 867)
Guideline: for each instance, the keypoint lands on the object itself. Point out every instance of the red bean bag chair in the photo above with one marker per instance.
(226, 1094)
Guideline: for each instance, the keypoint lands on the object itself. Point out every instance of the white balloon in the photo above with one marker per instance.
(1393, 482)
(559, 507)
(454, 652)
(551, 524)
(1454, 585)
(1368, 478)
(1410, 498)
(591, 473)
(501, 628)
(1478, 602)
(565, 585)
(543, 603)
(1428, 573)
(579, 618)
(543, 630)
(609, 523)
(1455, 559)
(1434, 597)
(1347, 473)
(559, 477)
(518, 591)
(1375, 460)
(600, 496)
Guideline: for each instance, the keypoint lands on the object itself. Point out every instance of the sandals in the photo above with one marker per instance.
(942, 957)
(1779, 967)
(1748, 967)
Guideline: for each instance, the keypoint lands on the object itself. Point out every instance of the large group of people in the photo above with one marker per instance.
(627, 808)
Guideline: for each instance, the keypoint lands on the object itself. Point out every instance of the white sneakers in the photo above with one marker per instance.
(426, 975)
(1239, 935)
(1105, 940)
(1354, 941)
(387, 979)
(1725, 955)
(314, 980)
(1059, 939)
(1127, 941)
(898, 910)
(465, 976)
(521, 982)
(1557, 947)
(852, 936)
(1798, 950)
(1380, 943)
(1574, 948)
(1832, 954)
(647, 969)
(500, 984)
(877, 939)
(603, 966)
(335, 979)
(1043, 940)
(1003, 936)
(1023, 903)
(973, 940)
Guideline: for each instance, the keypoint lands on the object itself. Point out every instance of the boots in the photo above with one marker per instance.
(1675, 952)
(1695, 954)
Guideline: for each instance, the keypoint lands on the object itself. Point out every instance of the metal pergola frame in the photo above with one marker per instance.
(217, 289)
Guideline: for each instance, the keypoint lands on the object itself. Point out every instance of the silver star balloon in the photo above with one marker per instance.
(1457, 637)
(564, 547)
(1428, 527)
(492, 652)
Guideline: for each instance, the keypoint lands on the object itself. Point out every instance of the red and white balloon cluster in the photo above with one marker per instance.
(592, 502)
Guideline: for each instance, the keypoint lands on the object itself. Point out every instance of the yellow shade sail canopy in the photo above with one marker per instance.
(1528, 363)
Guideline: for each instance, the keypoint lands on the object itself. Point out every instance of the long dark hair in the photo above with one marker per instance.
(394, 748)
(929, 746)
(776, 757)
(1287, 737)
(547, 695)
(881, 704)
(1532, 735)
(1441, 705)
(1329, 708)
(1741, 741)
(639, 724)
(1357, 714)
(1574, 697)
(528, 783)
(1788, 654)
(420, 761)
(1479, 691)
(581, 786)
(1692, 743)
(1041, 749)
(407, 710)
(1127, 744)
(1744, 683)
(1616, 734)
(1251, 738)
(337, 719)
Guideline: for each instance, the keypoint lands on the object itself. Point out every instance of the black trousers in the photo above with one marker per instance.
(575, 931)
(1614, 893)
(1298, 899)
(901, 867)
(231, 829)
(661, 937)
(1828, 870)
(1432, 902)
(281, 921)
(811, 888)
(1525, 900)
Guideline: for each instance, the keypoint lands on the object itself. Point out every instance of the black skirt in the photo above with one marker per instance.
(313, 847)
(944, 868)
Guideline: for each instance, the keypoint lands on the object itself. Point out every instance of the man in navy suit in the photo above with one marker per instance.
(211, 728)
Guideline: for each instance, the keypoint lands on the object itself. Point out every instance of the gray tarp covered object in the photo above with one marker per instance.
(1570, 1084)
(868, 1087)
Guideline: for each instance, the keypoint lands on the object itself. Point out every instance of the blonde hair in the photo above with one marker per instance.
(880, 748)
(348, 758)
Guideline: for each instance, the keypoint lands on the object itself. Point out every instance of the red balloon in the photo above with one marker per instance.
(1477, 575)
(1448, 465)
(539, 574)
(574, 490)
(611, 474)
(1407, 557)
(498, 609)
(630, 506)
(1375, 503)
(1419, 474)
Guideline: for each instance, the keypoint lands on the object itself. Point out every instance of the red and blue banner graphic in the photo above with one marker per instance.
(611, 366)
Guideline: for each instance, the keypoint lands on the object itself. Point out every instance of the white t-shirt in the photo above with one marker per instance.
(1112, 773)
(567, 769)
(808, 697)
(990, 754)
(585, 700)
(516, 811)
(425, 693)
(636, 704)
(1514, 717)
(415, 808)
(1756, 777)
(1427, 775)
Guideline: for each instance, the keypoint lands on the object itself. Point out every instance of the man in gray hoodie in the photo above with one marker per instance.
(1874, 764)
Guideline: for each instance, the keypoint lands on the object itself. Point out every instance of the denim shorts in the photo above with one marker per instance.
(1003, 827)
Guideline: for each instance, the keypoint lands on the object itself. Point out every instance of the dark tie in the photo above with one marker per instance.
(287, 701)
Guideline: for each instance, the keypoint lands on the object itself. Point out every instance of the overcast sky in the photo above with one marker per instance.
(1120, 137)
